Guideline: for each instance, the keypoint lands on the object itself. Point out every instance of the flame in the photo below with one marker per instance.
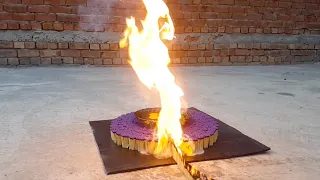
(149, 59)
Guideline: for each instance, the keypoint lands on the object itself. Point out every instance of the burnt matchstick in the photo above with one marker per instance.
(187, 169)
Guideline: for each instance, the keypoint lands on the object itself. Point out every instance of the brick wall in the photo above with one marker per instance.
(293, 19)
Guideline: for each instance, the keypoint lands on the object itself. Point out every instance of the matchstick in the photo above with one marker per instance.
(188, 170)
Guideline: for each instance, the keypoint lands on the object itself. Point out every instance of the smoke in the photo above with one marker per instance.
(100, 15)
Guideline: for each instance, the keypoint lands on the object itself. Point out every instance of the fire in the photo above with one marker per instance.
(150, 59)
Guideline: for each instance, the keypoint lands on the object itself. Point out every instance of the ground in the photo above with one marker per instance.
(45, 134)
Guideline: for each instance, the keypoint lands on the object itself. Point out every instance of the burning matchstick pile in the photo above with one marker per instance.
(150, 58)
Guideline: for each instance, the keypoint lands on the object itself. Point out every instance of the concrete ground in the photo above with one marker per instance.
(44, 115)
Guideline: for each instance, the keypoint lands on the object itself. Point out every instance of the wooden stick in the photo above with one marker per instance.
(188, 170)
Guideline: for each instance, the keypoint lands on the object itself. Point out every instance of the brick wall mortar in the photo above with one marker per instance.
(200, 16)
(108, 54)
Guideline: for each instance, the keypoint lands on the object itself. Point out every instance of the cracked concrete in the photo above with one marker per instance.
(44, 114)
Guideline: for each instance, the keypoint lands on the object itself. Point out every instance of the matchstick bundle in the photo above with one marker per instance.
(128, 131)
(146, 146)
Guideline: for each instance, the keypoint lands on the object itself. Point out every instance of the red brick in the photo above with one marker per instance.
(8, 53)
(272, 4)
(195, 53)
(303, 58)
(267, 30)
(312, 6)
(47, 26)
(6, 45)
(274, 30)
(79, 45)
(226, 2)
(220, 9)
(78, 60)
(41, 45)
(242, 2)
(105, 46)
(176, 47)
(70, 53)
(49, 53)
(45, 17)
(3, 25)
(116, 61)
(273, 46)
(52, 45)
(185, 46)
(114, 46)
(67, 18)
(244, 30)
(252, 30)
(24, 61)
(209, 46)
(55, 2)
(32, 1)
(30, 45)
(209, 53)
(257, 3)
(227, 52)
(25, 26)
(285, 4)
(19, 45)
(236, 30)
(242, 52)
(302, 52)
(236, 10)
(23, 16)
(58, 26)
(57, 60)
(224, 15)
(257, 52)
(5, 16)
(124, 54)
(110, 54)
(67, 60)
(298, 5)
(34, 60)
(61, 9)
(94, 46)
(36, 26)
(13, 61)
(254, 16)
(28, 53)
(193, 47)
(245, 45)
(283, 17)
(201, 46)
(99, 61)
(63, 45)
(76, 2)
(39, 9)
(15, 8)
(221, 29)
(68, 27)
(13, 25)
(89, 53)
(45, 61)
(297, 18)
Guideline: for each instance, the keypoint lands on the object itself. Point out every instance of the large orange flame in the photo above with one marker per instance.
(149, 59)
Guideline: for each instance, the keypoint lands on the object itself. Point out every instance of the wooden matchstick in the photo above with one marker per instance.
(188, 170)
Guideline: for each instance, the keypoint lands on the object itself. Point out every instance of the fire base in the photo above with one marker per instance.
(115, 159)
(200, 129)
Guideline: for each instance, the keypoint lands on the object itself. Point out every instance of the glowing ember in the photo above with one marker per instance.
(150, 59)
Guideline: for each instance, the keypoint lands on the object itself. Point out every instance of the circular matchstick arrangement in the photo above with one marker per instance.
(137, 130)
